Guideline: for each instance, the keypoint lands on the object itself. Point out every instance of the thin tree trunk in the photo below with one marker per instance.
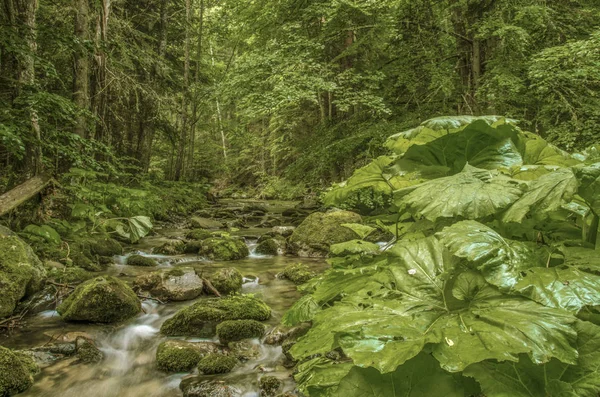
(99, 97)
(81, 75)
(197, 81)
(180, 169)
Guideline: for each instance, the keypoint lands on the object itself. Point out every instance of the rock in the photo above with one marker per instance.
(244, 350)
(267, 247)
(179, 284)
(182, 356)
(68, 337)
(103, 299)
(198, 387)
(205, 223)
(284, 231)
(227, 280)
(16, 372)
(320, 230)
(140, 260)
(106, 247)
(216, 363)
(280, 333)
(198, 234)
(298, 273)
(234, 330)
(255, 209)
(269, 386)
(236, 224)
(171, 247)
(295, 213)
(201, 318)
(21, 273)
(87, 351)
(224, 248)
(69, 275)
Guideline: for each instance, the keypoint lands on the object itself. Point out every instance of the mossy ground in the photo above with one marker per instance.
(69, 275)
(140, 260)
(215, 363)
(101, 300)
(234, 330)
(227, 280)
(201, 318)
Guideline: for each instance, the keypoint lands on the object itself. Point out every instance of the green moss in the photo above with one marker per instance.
(69, 275)
(177, 272)
(216, 364)
(106, 247)
(269, 385)
(177, 356)
(227, 280)
(140, 260)
(21, 273)
(224, 248)
(201, 318)
(320, 230)
(198, 234)
(234, 330)
(267, 247)
(192, 247)
(171, 247)
(16, 372)
(298, 273)
(100, 300)
(87, 352)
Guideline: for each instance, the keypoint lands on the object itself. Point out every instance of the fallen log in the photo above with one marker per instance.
(18, 195)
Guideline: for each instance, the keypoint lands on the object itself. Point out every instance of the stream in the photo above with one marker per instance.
(129, 348)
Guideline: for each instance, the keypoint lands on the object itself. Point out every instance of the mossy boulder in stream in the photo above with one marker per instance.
(234, 330)
(269, 246)
(106, 247)
(140, 260)
(224, 248)
(171, 247)
(201, 318)
(198, 234)
(103, 299)
(182, 356)
(16, 372)
(227, 281)
(320, 230)
(21, 273)
(297, 273)
(216, 364)
(269, 386)
(179, 284)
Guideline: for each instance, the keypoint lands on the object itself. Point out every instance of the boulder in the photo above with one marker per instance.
(234, 330)
(182, 356)
(284, 231)
(103, 299)
(140, 260)
(269, 386)
(298, 273)
(69, 275)
(320, 230)
(87, 352)
(205, 223)
(198, 234)
(106, 247)
(200, 387)
(267, 247)
(179, 284)
(227, 280)
(171, 247)
(21, 273)
(201, 318)
(244, 350)
(16, 372)
(216, 363)
(224, 248)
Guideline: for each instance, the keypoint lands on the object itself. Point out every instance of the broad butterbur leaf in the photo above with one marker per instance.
(361, 230)
(354, 247)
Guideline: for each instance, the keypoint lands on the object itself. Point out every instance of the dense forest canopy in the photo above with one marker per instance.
(278, 95)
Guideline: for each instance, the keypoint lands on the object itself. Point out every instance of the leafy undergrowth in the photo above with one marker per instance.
(491, 287)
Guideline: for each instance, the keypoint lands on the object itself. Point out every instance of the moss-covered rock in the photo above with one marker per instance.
(198, 386)
(216, 364)
(267, 247)
(205, 223)
(16, 372)
(21, 273)
(201, 318)
(140, 260)
(269, 386)
(100, 300)
(297, 273)
(69, 275)
(179, 284)
(227, 280)
(182, 356)
(244, 350)
(224, 248)
(198, 234)
(192, 247)
(87, 352)
(171, 247)
(280, 333)
(320, 230)
(234, 330)
(106, 247)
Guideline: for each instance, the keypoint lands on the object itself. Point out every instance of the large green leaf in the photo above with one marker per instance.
(303, 310)
(554, 379)
(540, 152)
(462, 317)
(46, 232)
(500, 260)
(319, 377)
(354, 247)
(471, 194)
(544, 195)
(589, 188)
(419, 377)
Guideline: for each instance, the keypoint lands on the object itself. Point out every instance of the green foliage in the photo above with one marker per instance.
(491, 275)
(45, 232)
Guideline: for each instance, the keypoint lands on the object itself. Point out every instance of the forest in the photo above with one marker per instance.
(319, 198)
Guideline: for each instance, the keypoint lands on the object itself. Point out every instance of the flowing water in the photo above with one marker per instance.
(129, 368)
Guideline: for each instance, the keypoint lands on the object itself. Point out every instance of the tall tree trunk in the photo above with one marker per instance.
(81, 74)
(197, 84)
(99, 97)
(180, 168)
(219, 117)
(26, 10)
